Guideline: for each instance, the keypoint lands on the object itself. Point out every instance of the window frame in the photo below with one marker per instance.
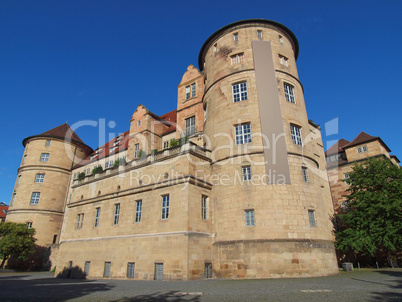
(249, 216)
(204, 207)
(35, 196)
(296, 133)
(138, 211)
(97, 217)
(190, 126)
(48, 142)
(116, 215)
(243, 134)
(237, 58)
(130, 270)
(40, 178)
(246, 173)
(44, 157)
(239, 92)
(165, 207)
(312, 218)
(289, 93)
(136, 150)
(305, 174)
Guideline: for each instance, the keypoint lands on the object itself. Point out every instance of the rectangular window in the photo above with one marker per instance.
(346, 175)
(259, 34)
(116, 214)
(190, 126)
(35, 198)
(44, 157)
(204, 200)
(24, 159)
(283, 60)
(305, 174)
(106, 271)
(359, 149)
(138, 123)
(249, 217)
(136, 150)
(239, 92)
(166, 145)
(165, 206)
(243, 134)
(97, 217)
(280, 39)
(237, 59)
(191, 91)
(246, 173)
(289, 93)
(236, 37)
(107, 165)
(138, 210)
(364, 148)
(18, 179)
(29, 225)
(80, 221)
(48, 143)
(311, 218)
(113, 149)
(130, 269)
(39, 178)
(12, 199)
(296, 135)
(86, 267)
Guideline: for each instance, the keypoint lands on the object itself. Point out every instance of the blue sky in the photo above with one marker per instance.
(89, 60)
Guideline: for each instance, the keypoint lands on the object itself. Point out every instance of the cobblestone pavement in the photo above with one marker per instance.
(365, 285)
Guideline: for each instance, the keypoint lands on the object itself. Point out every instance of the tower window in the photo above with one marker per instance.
(47, 143)
(204, 207)
(249, 217)
(296, 135)
(235, 37)
(305, 174)
(283, 60)
(289, 93)
(246, 173)
(280, 39)
(311, 218)
(243, 134)
(165, 206)
(116, 214)
(39, 178)
(239, 92)
(44, 157)
(237, 59)
(35, 198)
(259, 34)
(138, 211)
(29, 225)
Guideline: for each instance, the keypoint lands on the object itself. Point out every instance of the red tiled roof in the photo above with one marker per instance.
(337, 147)
(64, 132)
(365, 138)
(105, 150)
(170, 117)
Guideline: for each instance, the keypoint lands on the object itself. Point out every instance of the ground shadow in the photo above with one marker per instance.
(26, 288)
(162, 297)
(74, 273)
(38, 260)
(394, 285)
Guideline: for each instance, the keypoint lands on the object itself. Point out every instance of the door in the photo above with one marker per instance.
(106, 272)
(158, 271)
(86, 268)
(130, 270)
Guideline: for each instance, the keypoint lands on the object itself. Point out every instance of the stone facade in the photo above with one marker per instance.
(231, 184)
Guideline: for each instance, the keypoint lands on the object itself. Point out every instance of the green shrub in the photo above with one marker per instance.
(154, 151)
(173, 143)
(81, 176)
(97, 170)
(141, 154)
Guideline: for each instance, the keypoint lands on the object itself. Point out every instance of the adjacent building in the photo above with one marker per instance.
(341, 158)
(230, 184)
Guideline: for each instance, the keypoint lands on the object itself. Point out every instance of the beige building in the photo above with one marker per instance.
(343, 155)
(231, 184)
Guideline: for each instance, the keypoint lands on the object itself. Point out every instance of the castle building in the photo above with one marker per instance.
(341, 158)
(231, 184)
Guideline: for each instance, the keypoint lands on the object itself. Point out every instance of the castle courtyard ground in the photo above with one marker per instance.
(364, 285)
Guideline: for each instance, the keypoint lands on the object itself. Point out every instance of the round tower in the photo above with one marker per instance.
(43, 179)
(271, 218)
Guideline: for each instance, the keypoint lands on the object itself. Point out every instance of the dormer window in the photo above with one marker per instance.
(113, 149)
(93, 156)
